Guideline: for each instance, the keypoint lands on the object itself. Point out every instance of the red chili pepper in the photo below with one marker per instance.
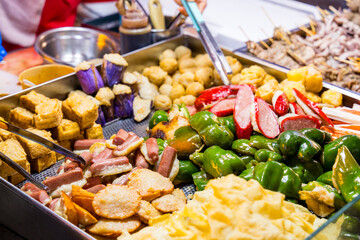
(223, 108)
(211, 96)
(305, 102)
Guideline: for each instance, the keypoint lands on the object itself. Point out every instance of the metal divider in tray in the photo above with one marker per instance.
(32, 220)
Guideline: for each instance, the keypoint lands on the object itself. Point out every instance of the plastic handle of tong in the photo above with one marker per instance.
(194, 13)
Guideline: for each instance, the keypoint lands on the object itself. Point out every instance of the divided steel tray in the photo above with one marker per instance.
(32, 220)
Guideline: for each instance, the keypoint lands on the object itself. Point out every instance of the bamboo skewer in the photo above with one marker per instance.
(322, 12)
(334, 10)
(268, 16)
(243, 31)
(307, 31)
(264, 44)
(270, 38)
(346, 61)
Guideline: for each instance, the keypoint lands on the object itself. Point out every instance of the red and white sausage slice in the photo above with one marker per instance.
(36, 193)
(292, 121)
(120, 137)
(296, 109)
(263, 119)
(242, 120)
(130, 145)
(150, 150)
(110, 166)
(85, 144)
(168, 165)
(280, 103)
(310, 108)
(140, 160)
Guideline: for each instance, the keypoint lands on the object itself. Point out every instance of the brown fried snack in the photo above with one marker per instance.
(13, 150)
(48, 114)
(170, 202)
(21, 117)
(67, 130)
(32, 149)
(147, 211)
(150, 184)
(114, 228)
(43, 162)
(94, 132)
(30, 100)
(116, 202)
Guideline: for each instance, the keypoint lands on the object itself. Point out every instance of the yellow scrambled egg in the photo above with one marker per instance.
(233, 208)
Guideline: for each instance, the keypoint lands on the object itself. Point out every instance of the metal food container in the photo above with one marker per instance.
(32, 220)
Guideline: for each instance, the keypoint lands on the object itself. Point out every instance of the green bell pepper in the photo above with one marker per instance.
(201, 179)
(321, 198)
(186, 141)
(292, 200)
(307, 171)
(197, 158)
(162, 144)
(346, 175)
(262, 142)
(242, 146)
(351, 225)
(211, 131)
(186, 169)
(229, 123)
(352, 142)
(295, 144)
(159, 116)
(264, 155)
(219, 162)
(179, 110)
(320, 136)
(326, 178)
(275, 176)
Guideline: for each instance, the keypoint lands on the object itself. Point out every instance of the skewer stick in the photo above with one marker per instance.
(334, 10)
(327, 12)
(323, 15)
(268, 16)
(327, 65)
(243, 31)
(345, 61)
(270, 38)
(307, 31)
(284, 38)
(296, 56)
(264, 44)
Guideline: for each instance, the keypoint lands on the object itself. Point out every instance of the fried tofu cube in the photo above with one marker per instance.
(48, 114)
(313, 97)
(287, 86)
(30, 100)
(267, 90)
(309, 76)
(17, 178)
(66, 144)
(42, 163)
(32, 149)
(5, 135)
(66, 130)
(253, 75)
(332, 97)
(14, 151)
(81, 110)
(95, 132)
(21, 117)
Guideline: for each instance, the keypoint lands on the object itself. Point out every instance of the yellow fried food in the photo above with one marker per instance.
(168, 53)
(85, 218)
(113, 228)
(31, 100)
(253, 75)
(147, 211)
(21, 117)
(309, 76)
(235, 65)
(233, 208)
(155, 74)
(287, 86)
(48, 114)
(177, 91)
(169, 65)
(162, 102)
(165, 89)
(116, 202)
(182, 51)
(68, 209)
(266, 91)
(186, 78)
(313, 97)
(94, 132)
(188, 100)
(194, 89)
(205, 76)
(203, 60)
(332, 97)
(66, 130)
(187, 65)
(170, 202)
(149, 184)
(83, 198)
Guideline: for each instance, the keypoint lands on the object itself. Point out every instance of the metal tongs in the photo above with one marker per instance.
(40, 140)
(210, 45)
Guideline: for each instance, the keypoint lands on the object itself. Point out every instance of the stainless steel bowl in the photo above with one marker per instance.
(72, 45)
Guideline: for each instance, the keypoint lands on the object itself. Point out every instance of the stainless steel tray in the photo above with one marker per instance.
(32, 220)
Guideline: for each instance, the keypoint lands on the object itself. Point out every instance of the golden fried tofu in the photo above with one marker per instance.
(32, 149)
(81, 110)
(94, 132)
(48, 114)
(266, 91)
(17, 178)
(30, 100)
(15, 151)
(42, 163)
(5, 135)
(287, 86)
(66, 144)
(66, 130)
(21, 117)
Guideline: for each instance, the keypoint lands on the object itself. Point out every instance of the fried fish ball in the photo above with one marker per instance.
(165, 89)
(170, 202)
(205, 76)
(194, 89)
(187, 65)
(217, 78)
(149, 184)
(168, 80)
(186, 78)
(155, 74)
(203, 60)
(177, 91)
(114, 228)
(235, 65)
(253, 75)
(169, 65)
(332, 97)
(176, 76)
(188, 100)
(168, 53)
(116, 202)
(147, 211)
(182, 51)
(162, 102)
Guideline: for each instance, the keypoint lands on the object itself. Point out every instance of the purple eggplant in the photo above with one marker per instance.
(109, 112)
(106, 98)
(101, 118)
(123, 103)
(89, 77)
(113, 68)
